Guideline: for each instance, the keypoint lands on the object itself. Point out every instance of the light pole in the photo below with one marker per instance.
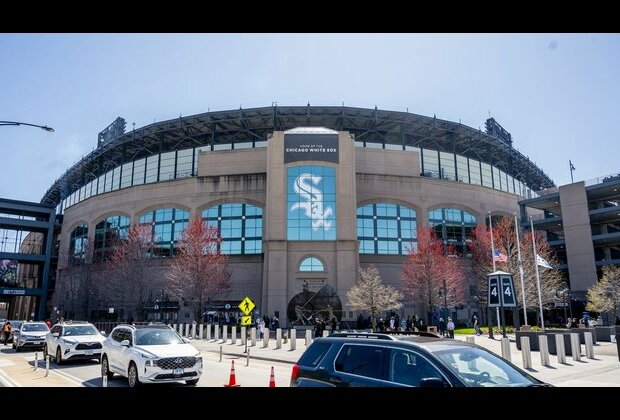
(43, 127)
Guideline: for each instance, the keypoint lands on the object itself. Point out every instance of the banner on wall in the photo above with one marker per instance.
(321, 147)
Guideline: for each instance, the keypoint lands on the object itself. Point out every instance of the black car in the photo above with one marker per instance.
(382, 360)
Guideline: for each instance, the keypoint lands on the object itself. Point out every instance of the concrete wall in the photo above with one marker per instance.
(578, 236)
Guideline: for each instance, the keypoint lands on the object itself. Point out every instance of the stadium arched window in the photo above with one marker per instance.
(311, 264)
(385, 228)
(108, 233)
(453, 226)
(167, 224)
(240, 226)
(78, 245)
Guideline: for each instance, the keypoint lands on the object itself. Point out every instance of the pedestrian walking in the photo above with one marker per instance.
(450, 328)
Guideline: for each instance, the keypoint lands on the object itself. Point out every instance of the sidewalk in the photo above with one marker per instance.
(602, 371)
(18, 371)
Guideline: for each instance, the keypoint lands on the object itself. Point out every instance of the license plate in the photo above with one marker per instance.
(177, 371)
(38, 343)
(88, 352)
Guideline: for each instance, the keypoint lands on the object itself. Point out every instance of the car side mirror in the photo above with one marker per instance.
(125, 343)
(432, 383)
(56, 335)
(102, 333)
(185, 340)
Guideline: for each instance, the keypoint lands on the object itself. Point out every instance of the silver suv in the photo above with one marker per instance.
(30, 335)
(73, 340)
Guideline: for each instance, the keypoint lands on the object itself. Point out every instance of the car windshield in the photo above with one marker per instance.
(35, 327)
(157, 337)
(480, 368)
(80, 330)
(16, 324)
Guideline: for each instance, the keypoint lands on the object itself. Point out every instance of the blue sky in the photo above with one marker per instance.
(557, 94)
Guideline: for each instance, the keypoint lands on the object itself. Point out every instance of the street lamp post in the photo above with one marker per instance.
(43, 127)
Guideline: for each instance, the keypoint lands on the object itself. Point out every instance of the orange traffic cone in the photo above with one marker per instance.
(272, 379)
(232, 383)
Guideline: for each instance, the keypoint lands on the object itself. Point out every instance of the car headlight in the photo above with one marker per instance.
(199, 359)
(150, 359)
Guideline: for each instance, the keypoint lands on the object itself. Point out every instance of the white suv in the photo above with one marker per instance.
(73, 340)
(150, 353)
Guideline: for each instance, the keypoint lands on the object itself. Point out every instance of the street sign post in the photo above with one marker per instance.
(246, 307)
(501, 294)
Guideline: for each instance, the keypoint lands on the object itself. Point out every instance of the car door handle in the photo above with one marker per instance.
(335, 380)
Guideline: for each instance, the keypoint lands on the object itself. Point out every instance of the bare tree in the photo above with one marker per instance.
(370, 294)
(433, 276)
(604, 296)
(200, 271)
(128, 286)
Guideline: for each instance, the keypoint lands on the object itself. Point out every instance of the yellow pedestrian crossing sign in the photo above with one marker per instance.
(246, 320)
(246, 306)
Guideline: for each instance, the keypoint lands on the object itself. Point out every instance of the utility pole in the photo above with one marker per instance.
(572, 168)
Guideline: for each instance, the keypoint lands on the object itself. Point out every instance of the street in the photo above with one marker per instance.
(17, 369)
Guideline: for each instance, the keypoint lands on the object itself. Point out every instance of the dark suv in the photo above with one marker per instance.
(382, 360)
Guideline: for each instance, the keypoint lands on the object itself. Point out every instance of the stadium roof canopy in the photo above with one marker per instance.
(255, 124)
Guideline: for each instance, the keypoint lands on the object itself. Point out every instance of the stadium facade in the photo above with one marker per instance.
(302, 196)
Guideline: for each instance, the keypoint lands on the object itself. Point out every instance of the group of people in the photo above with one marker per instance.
(446, 329)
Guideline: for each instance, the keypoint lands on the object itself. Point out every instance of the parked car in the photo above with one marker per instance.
(150, 353)
(382, 360)
(73, 340)
(30, 335)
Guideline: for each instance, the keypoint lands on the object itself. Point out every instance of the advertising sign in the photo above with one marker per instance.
(322, 147)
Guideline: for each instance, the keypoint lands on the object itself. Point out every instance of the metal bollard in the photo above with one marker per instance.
(217, 332)
(220, 353)
(525, 353)
(278, 338)
(224, 334)
(470, 339)
(308, 337)
(575, 347)
(244, 335)
(193, 330)
(506, 349)
(174, 327)
(186, 330)
(47, 365)
(247, 358)
(293, 339)
(209, 332)
(325, 333)
(200, 332)
(104, 380)
(559, 348)
(36, 360)
(253, 336)
(589, 345)
(233, 335)
(544, 350)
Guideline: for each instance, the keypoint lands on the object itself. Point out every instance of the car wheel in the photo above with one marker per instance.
(132, 376)
(105, 369)
(58, 356)
(192, 382)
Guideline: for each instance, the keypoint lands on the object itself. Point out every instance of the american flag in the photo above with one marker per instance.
(500, 256)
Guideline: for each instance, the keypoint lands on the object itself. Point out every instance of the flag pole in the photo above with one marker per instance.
(542, 319)
(521, 271)
(493, 260)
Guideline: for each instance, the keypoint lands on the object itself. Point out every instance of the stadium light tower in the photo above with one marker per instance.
(43, 127)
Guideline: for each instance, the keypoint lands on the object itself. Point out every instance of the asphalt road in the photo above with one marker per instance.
(215, 373)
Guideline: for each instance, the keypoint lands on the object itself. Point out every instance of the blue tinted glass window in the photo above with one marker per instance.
(453, 226)
(166, 226)
(383, 227)
(311, 264)
(240, 226)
